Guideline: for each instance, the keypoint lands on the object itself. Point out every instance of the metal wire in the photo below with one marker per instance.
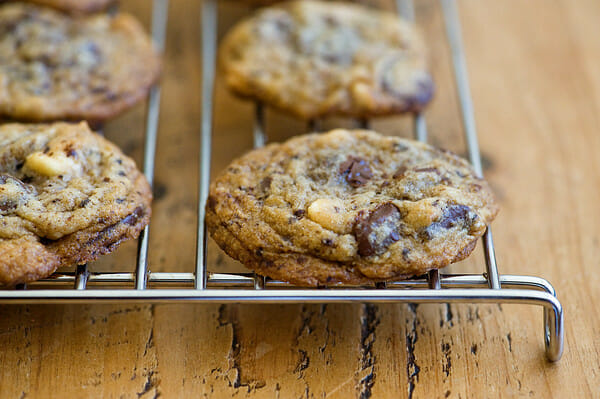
(453, 32)
(81, 276)
(260, 135)
(160, 10)
(246, 280)
(209, 50)
(247, 287)
(260, 139)
(406, 9)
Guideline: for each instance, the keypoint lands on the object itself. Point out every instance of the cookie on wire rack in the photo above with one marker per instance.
(271, 2)
(350, 207)
(56, 67)
(67, 196)
(316, 59)
(74, 6)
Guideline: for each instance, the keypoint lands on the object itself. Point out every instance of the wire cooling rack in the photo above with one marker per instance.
(83, 286)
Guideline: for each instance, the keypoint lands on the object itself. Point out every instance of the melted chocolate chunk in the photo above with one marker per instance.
(376, 231)
(454, 215)
(133, 218)
(356, 171)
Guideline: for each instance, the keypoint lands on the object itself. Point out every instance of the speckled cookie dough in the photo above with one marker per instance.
(55, 67)
(348, 206)
(316, 59)
(67, 195)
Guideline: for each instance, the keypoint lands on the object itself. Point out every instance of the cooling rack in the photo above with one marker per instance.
(142, 285)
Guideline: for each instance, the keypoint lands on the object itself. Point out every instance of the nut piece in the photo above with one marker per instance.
(329, 213)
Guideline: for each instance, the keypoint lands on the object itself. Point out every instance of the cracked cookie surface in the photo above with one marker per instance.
(348, 206)
(55, 67)
(67, 195)
(317, 59)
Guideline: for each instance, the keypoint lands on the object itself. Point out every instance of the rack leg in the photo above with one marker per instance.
(554, 330)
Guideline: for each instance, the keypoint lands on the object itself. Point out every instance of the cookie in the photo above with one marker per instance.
(75, 6)
(67, 196)
(350, 207)
(270, 2)
(55, 67)
(316, 59)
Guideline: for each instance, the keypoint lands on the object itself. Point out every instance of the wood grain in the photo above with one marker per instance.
(536, 88)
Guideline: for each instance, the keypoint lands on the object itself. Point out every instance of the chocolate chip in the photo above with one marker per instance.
(83, 203)
(330, 20)
(400, 172)
(356, 171)
(45, 241)
(299, 213)
(433, 170)
(376, 231)
(395, 85)
(92, 48)
(453, 215)
(98, 89)
(110, 96)
(265, 183)
(133, 218)
(405, 252)
(328, 242)
(398, 147)
(7, 206)
(71, 152)
(211, 203)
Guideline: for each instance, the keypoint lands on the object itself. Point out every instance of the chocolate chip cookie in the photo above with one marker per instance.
(269, 2)
(74, 6)
(67, 196)
(316, 59)
(348, 207)
(56, 67)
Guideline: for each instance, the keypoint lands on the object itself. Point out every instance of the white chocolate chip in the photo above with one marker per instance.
(54, 165)
(329, 213)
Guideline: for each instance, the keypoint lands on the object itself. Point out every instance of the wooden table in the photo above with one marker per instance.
(536, 88)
